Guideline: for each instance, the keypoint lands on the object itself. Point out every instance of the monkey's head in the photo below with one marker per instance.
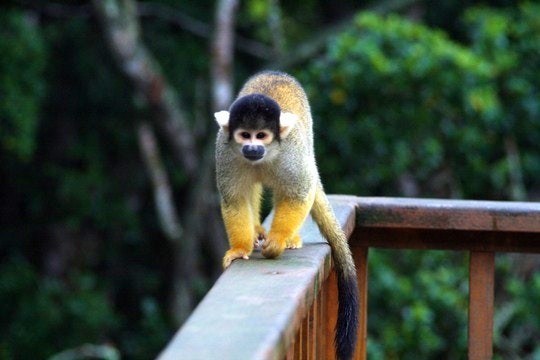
(255, 124)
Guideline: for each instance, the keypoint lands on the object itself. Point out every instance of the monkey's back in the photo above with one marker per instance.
(287, 92)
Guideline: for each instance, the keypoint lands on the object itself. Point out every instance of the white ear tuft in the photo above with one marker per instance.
(286, 123)
(222, 118)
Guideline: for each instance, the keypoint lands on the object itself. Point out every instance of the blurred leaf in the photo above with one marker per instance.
(21, 83)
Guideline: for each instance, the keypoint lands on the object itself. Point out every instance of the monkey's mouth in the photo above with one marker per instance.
(253, 157)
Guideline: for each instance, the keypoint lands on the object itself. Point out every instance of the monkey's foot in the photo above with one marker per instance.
(260, 235)
(233, 254)
(272, 248)
(295, 242)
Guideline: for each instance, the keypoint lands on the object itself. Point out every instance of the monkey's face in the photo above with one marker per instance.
(255, 125)
(253, 143)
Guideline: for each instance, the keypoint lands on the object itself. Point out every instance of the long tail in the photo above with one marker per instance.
(347, 320)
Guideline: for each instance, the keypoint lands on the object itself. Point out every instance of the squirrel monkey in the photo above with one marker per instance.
(266, 139)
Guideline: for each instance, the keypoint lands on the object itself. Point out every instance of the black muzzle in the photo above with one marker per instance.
(253, 152)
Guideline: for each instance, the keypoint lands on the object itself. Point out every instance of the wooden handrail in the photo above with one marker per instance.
(256, 307)
(469, 215)
(285, 308)
(480, 227)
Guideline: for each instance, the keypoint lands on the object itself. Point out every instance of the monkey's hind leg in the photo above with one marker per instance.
(260, 236)
(238, 219)
(256, 198)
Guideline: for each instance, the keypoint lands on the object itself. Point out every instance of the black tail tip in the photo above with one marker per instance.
(347, 320)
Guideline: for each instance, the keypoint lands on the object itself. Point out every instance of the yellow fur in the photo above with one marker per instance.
(256, 198)
(295, 242)
(238, 219)
(288, 218)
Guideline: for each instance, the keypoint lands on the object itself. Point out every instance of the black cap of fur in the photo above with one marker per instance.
(254, 112)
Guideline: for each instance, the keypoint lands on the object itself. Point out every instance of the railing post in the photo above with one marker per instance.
(481, 296)
(321, 339)
(330, 304)
(361, 259)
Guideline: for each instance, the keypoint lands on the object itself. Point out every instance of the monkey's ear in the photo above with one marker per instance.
(286, 123)
(222, 118)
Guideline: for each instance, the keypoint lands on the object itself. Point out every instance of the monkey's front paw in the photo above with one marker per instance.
(272, 248)
(295, 242)
(233, 254)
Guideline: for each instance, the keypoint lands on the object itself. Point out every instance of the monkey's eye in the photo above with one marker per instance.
(245, 135)
(260, 135)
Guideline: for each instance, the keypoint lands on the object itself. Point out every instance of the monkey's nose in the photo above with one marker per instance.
(253, 152)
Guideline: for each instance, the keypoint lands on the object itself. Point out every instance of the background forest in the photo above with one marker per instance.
(110, 231)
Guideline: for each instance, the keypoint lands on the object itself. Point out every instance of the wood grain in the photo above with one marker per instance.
(481, 294)
(408, 213)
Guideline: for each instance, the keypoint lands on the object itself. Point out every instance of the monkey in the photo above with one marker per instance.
(265, 140)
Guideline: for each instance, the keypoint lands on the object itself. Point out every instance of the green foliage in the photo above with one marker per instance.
(421, 314)
(412, 100)
(511, 41)
(38, 314)
(516, 326)
(418, 103)
(21, 83)
(82, 192)
(152, 334)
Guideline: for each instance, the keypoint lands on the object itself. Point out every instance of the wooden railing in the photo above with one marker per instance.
(286, 308)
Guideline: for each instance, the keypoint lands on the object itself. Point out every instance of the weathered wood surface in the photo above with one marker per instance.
(447, 215)
(481, 300)
(255, 308)
(480, 227)
(360, 254)
(401, 223)
(395, 238)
